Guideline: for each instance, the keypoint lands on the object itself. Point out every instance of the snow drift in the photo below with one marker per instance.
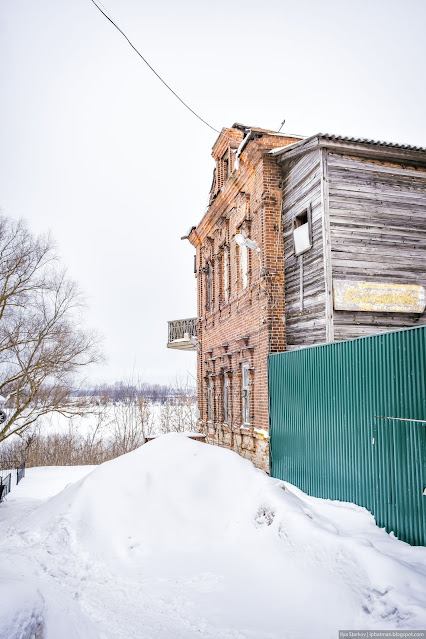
(201, 536)
(171, 495)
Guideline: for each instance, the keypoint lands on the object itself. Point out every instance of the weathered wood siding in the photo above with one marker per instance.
(377, 215)
(301, 188)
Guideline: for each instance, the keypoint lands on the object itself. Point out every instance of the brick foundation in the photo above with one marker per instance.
(250, 445)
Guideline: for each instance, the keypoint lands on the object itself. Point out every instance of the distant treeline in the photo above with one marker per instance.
(156, 393)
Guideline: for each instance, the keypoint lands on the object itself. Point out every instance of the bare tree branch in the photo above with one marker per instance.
(43, 343)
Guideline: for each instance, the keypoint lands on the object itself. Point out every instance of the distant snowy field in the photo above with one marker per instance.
(181, 540)
(155, 416)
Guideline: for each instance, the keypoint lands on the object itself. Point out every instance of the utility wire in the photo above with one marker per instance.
(153, 70)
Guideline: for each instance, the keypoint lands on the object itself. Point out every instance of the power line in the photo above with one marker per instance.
(153, 70)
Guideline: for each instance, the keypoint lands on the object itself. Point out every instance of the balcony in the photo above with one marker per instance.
(182, 334)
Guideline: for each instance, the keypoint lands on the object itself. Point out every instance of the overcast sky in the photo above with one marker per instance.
(95, 149)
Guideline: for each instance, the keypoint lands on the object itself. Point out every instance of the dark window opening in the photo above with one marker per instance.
(302, 219)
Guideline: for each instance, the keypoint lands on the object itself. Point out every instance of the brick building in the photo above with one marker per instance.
(240, 316)
(349, 216)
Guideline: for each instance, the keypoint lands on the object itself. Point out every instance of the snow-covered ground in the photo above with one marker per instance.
(180, 539)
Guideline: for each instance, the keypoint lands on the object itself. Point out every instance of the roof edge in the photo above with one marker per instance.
(336, 141)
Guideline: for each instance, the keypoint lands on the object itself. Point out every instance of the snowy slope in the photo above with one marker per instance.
(179, 539)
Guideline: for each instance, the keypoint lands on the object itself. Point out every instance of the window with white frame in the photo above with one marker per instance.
(245, 383)
(209, 287)
(210, 409)
(243, 259)
(226, 415)
(225, 274)
(244, 264)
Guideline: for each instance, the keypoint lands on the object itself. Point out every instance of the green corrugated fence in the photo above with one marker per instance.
(348, 422)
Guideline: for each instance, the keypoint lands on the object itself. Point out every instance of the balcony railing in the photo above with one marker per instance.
(182, 334)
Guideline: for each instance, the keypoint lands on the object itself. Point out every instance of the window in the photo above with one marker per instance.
(225, 168)
(243, 265)
(222, 170)
(209, 287)
(210, 409)
(226, 399)
(245, 370)
(225, 275)
(302, 231)
(243, 261)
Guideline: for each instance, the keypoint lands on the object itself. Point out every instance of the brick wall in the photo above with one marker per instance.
(240, 315)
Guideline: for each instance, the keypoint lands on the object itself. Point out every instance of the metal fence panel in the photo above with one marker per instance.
(20, 472)
(5, 486)
(348, 422)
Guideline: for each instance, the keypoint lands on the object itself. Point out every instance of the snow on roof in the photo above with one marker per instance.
(187, 433)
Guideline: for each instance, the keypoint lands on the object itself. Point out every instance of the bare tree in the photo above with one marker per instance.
(131, 418)
(42, 344)
(177, 413)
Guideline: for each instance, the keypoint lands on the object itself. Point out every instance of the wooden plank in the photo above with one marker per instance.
(294, 177)
(300, 172)
(376, 151)
(379, 320)
(378, 297)
(303, 284)
(380, 265)
(378, 231)
(349, 170)
(347, 162)
(397, 224)
(377, 195)
(345, 270)
(377, 181)
(373, 241)
(327, 249)
(394, 252)
(302, 196)
(363, 150)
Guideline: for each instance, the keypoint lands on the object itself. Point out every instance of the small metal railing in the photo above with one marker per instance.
(20, 472)
(5, 485)
(178, 328)
(7, 467)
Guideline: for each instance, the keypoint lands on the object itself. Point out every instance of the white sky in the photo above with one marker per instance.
(94, 148)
